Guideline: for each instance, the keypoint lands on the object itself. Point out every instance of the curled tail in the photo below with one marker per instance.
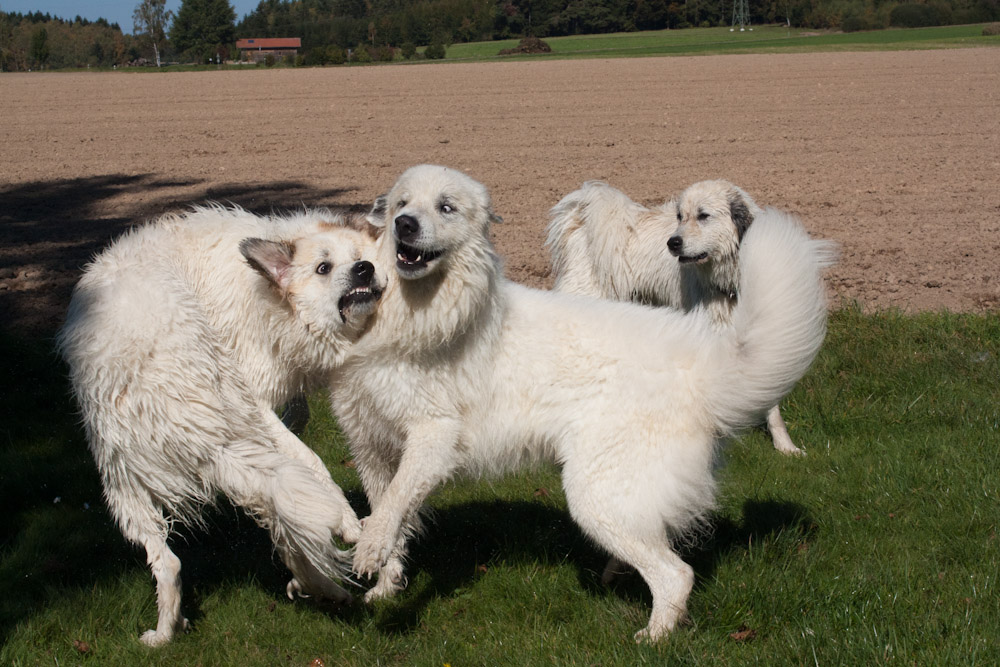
(778, 324)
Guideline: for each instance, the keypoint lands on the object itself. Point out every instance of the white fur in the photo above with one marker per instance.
(179, 351)
(605, 245)
(464, 371)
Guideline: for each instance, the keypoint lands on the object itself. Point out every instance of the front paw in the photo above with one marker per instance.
(371, 553)
(350, 529)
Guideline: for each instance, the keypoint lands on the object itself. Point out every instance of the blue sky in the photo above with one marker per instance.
(115, 11)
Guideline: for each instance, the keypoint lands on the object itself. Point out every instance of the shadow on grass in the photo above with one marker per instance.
(462, 538)
(56, 536)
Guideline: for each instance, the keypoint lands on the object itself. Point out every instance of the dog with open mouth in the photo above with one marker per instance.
(181, 339)
(466, 372)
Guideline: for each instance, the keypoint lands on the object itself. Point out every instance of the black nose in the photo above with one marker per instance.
(363, 271)
(675, 243)
(407, 227)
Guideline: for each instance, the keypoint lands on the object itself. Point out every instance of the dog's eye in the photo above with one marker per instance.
(323, 268)
(703, 216)
(401, 203)
(446, 208)
(680, 218)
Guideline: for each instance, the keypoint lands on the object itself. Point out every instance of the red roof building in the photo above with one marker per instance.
(257, 49)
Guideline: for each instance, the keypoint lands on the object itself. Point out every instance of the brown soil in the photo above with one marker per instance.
(894, 155)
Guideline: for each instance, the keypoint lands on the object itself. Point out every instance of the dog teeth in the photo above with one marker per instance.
(406, 260)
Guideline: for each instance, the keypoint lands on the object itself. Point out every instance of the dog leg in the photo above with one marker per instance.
(141, 521)
(611, 571)
(636, 538)
(376, 470)
(779, 434)
(428, 459)
(166, 569)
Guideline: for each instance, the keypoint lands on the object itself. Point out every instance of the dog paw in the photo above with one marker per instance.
(369, 558)
(154, 638)
(350, 530)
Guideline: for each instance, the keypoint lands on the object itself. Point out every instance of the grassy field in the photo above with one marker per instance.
(879, 546)
(696, 41)
(704, 41)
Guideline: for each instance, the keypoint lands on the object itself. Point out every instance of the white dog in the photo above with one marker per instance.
(464, 371)
(683, 254)
(178, 352)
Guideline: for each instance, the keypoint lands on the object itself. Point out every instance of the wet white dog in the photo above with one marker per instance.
(682, 254)
(178, 352)
(464, 371)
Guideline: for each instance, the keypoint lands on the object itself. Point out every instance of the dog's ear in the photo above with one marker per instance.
(361, 222)
(740, 214)
(376, 217)
(272, 259)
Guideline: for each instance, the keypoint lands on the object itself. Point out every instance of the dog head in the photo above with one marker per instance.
(429, 214)
(712, 217)
(328, 277)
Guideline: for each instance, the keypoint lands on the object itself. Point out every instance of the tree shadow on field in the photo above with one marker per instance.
(463, 538)
(50, 229)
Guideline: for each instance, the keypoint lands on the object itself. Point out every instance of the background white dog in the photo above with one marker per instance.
(464, 371)
(682, 254)
(179, 351)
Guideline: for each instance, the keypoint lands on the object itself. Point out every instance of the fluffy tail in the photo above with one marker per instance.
(292, 501)
(778, 324)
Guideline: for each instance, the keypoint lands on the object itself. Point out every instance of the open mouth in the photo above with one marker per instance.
(361, 295)
(408, 257)
(693, 259)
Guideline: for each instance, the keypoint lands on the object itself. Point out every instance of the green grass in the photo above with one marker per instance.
(879, 546)
(688, 42)
(704, 41)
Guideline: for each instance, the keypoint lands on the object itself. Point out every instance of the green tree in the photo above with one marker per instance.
(202, 27)
(40, 47)
(149, 22)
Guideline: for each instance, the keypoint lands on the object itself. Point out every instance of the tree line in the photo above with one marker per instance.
(395, 22)
(206, 30)
(38, 41)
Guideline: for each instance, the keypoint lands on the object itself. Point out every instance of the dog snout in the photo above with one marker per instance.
(675, 244)
(363, 272)
(407, 227)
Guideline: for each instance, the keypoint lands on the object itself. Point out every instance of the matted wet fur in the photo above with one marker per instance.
(466, 372)
(682, 254)
(181, 338)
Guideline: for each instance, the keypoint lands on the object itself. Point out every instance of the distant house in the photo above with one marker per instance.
(256, 50)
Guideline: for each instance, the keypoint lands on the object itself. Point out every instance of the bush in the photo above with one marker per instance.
(361, 55)
(528, 45)
(854, 24)
(269, 60)
(991, 30)
(318, 56)
(408, 50)
(385, 54)
(335, 55)
(912, 16)
(435, 51)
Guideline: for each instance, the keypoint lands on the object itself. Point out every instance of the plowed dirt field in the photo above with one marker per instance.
(895, 155)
